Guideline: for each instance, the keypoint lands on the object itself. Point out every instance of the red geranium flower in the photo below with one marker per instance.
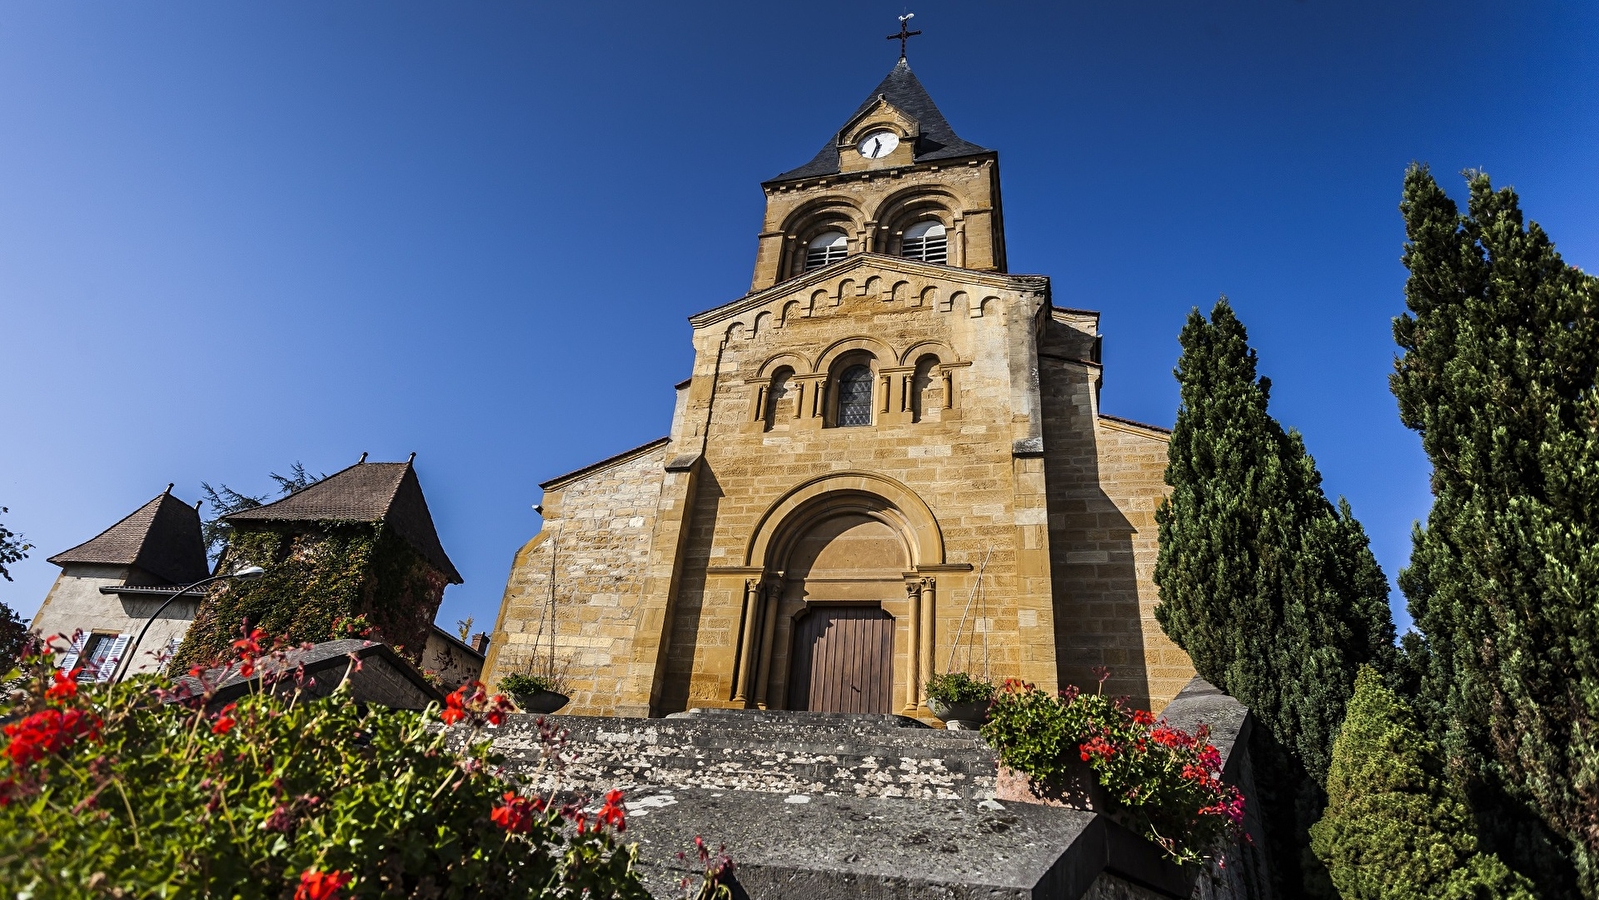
(48, 731)
(224, 721)
(65, 686)
(515, 814)
(317, 885)
(612, 813)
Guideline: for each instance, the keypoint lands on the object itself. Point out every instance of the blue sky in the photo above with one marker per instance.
(233, 236)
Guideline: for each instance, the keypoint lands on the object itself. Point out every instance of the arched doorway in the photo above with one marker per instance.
(844, 572)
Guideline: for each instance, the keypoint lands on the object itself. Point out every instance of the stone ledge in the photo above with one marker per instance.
(810, 847)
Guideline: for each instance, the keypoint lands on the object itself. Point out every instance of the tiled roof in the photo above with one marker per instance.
(161, 537)
(365, 492)
(905, 92)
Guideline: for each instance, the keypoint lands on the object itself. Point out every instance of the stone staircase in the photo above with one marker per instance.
(817, 806)
(825, 754)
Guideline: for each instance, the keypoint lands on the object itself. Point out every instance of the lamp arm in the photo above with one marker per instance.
(122, 664)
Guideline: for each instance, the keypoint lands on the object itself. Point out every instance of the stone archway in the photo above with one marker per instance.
(841, 561)
(842, 577)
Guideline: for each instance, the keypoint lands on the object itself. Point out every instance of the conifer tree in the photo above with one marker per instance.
(1501, 351)
(1272, 590)
(1393, 829)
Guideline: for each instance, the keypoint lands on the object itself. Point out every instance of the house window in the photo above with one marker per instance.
(824, 249)
(926, 241)
(855, 396)
(99, 655)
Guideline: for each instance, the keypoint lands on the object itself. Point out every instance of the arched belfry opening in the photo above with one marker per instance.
(841, 617)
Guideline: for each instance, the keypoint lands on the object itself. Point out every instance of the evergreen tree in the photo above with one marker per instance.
(1501, 351)
(1272, 590)
(1393, 830)
(223, 500)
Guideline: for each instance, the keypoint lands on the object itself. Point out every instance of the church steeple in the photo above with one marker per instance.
(895, 179)
(902, 90)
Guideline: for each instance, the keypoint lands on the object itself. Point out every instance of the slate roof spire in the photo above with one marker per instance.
(364, 492)
(162, 538)
(904, 91)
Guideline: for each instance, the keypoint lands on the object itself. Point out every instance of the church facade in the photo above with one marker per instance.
(889, 462)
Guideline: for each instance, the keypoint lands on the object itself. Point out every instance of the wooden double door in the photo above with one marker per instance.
(843, 660)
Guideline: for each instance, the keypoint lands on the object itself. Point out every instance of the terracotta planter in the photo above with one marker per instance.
(1075, 789)
(959, 716)
(540, 701)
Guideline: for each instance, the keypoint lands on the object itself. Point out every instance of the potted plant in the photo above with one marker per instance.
(959, 700)
(533, 693)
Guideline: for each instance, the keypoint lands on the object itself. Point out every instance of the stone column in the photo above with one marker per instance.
(747, 640)
(772, 595)
(913, 648)
(929, 604)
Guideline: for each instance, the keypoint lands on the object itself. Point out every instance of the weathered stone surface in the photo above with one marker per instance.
(819, 847)
(774, 752)
(814, 806)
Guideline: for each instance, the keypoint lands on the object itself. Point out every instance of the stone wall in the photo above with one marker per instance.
(1106, 478)
(1132, 471)
(598, 525)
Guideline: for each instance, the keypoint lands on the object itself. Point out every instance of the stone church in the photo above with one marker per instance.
(889, 462)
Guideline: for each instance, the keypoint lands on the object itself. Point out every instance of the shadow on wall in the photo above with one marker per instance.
(689, 604)
(1098, 621)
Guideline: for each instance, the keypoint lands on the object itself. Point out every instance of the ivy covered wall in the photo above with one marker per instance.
(313, 578)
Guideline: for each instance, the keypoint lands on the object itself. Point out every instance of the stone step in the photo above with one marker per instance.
(819, 847)
(756, 751)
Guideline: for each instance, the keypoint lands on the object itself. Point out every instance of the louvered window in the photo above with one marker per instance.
(855, 396)
(99, 656)
(926, 241)
(824, 249)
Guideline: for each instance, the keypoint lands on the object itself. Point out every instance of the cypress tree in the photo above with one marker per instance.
(1501, 351)
(1393, 828)
(1271, 589)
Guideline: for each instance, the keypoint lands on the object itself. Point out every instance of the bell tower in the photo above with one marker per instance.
(895, 179)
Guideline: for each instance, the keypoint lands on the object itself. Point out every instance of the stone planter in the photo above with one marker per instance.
(959, 716)
(540, 701)
(1075, 789)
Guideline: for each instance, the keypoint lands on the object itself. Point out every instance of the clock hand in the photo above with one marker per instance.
(876, 143)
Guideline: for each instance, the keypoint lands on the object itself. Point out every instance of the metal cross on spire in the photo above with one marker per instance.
(904, 33)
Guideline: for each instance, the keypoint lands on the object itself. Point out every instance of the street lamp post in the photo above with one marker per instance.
(122, 664)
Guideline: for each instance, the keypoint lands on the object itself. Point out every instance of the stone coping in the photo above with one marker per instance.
(819, 847)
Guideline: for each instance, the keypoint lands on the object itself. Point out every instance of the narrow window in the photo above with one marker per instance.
(925, 241)
(825, 248)
(855, 396)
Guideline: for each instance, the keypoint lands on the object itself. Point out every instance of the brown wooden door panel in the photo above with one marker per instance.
(842, 660)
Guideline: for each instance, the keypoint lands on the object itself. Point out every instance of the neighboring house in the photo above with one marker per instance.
(453, 661)
(360, 542)
(110, 585)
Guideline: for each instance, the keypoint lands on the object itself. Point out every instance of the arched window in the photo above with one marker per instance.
(827, 247)
(855, 396)
(925, 241)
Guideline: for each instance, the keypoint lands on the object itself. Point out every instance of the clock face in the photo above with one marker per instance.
(878, 144)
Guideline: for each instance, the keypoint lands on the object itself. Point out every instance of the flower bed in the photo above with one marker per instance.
(149, 789)
(1162, 782)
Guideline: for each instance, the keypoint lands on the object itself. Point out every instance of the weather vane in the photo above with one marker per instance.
(904, 33)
